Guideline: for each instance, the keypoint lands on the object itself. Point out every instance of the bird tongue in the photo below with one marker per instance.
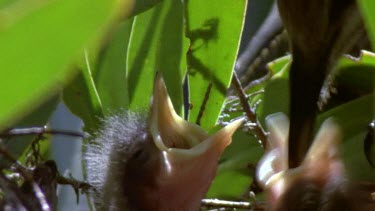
(190, 155)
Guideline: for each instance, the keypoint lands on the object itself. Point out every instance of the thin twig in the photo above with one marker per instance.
(203, 106)
(258, 130)
(264, 55)
(258, 81)
(76, 185)
(216, 203)
(28, 177)
(39, 131)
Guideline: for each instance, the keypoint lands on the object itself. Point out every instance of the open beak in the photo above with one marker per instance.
(190, 154)
(322, 163)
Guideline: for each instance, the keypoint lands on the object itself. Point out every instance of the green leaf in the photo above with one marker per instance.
(82, 98)
(280, 67)
(143, 5)
(353, 118)
(110, 76)
(356, 164)
(368, 8)
(156, 44)
(238, 161)
(275, 99)
(5, 3)
(357, 74)
(229, 185)
(214, 29)
(37, 47)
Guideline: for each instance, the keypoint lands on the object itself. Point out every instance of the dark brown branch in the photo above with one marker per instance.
(13, 194)
(203, 106)
(27, 175)
(257, 129)
(76, 184)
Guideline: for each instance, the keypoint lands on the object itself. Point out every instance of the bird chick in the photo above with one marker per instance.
(320, 31)
(319, 183)
(154, 162)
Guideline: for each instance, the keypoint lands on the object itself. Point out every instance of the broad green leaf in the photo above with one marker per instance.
(82, 99)
(229, 185)
(238, 161)
(357, 74)
(214, 29)
(143, 5)
(275, 99)
(280, 67)
(243, 150)
(5, 3)
(357, 166)
(37, 48)
(110, 76)
(368, 8)
(353, 118)
(156, 44)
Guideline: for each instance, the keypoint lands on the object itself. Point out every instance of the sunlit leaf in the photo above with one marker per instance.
(368, 8)
(156, 44)
(214, 29)
(143, 5)
(110, 76)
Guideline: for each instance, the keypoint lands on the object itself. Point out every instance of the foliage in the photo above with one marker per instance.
(100, 62)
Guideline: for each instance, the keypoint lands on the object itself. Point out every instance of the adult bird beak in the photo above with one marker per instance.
(190, 155)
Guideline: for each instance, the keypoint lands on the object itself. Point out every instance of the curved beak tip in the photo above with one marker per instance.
(233, 126)
(226, 133)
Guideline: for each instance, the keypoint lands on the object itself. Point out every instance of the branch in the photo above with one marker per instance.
(76, 184)
(203, 106)
(216, 203)
(257, 129)
(39, 131)
(27, 175)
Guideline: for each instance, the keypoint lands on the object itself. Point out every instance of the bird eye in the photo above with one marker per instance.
(140, 155)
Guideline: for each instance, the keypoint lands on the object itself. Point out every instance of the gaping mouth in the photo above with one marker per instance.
(189, 155)
(322, 162)
(179, 138)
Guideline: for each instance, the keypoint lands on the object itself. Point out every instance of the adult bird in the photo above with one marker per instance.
(319, 31)
(154, 162)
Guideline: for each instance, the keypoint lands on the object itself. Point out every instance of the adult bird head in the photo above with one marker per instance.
(159, 162)
(319, 183)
